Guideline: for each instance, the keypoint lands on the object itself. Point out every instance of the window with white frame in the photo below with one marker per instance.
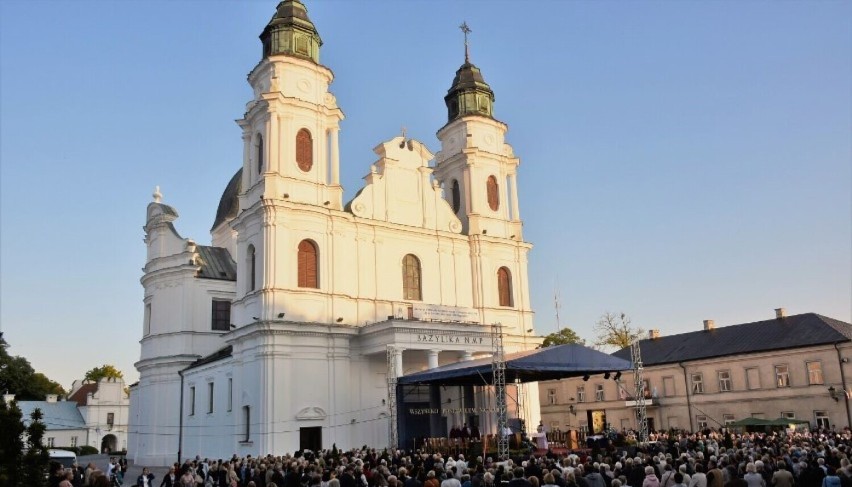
(551, 396)
(822, 421)
(782, 376)
(701, 421)
(583, 426)
(581, 394)
(73, 441)
(209, 397)
(814, 372)
(788, 414)
(192, 400)
(752, 378)
(230, 393)
(51, 441)
(697, 384)
(728, 419)
(599, 392)
(247, 420)
(725, 381)
(668, 386)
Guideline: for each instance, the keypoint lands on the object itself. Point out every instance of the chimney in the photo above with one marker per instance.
(654, 334)
(780, 313)
(8, 398)
(709, 325)
(51, 397)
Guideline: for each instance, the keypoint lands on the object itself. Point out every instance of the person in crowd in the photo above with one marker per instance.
(145, 479)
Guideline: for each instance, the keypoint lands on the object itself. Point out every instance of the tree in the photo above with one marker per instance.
(105, 371)
(18, 377)
(11, 444)
(562, 337)
(36, 459)
(614, 330)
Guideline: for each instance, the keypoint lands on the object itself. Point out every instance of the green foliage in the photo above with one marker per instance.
(615, 330)
(562, 337)
(88, 450)
(104, 371)
(11, 445)
(36, 459)
(18, 377)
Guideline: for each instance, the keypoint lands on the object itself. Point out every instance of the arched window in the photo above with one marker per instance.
(493, 192)
(258, 155)
(307, 264)
(251, 262)
(304, 150)
(456, 196)
(504, 287)
(411, 278)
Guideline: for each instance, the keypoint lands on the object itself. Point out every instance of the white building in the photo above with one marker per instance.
(95, 414)
(276, 336)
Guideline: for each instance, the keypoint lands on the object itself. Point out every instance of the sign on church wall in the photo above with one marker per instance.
(436, 312)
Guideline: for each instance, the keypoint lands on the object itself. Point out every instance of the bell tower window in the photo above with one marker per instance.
(504, 287)
(456, 192)
(258, 147)
(411, 278)
(492, 190)
(304, 150)
(251, 261)
(307, 264)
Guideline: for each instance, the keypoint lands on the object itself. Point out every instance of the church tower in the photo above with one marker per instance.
(475, 165)
(290, 159)
(477, 170)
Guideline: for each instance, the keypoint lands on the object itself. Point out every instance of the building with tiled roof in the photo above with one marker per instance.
(94, 414)
(792, 367)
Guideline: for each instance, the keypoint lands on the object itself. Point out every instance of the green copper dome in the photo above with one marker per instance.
(469, 94)
(291, 32)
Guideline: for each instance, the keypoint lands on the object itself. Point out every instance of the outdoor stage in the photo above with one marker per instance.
(421, 408)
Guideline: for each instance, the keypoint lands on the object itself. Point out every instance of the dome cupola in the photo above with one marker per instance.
(291, 32)
(469, 94)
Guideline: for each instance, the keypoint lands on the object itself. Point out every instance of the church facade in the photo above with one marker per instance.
(275, 337)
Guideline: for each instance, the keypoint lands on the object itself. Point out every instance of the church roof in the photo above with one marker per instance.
(216, 263)
(797, 331)
(61, 415)
(220, 354)
(228, 203)
(81, 395)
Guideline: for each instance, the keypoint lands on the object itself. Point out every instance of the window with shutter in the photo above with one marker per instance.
(308, 264)
(492, 191)
(504, 286)
(304, 150)
(411, 278)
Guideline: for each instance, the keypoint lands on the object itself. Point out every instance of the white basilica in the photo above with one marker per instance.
(275, 337)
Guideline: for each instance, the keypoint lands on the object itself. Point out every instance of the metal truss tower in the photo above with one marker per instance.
(393, 374)
(641, 413)
(498, 370)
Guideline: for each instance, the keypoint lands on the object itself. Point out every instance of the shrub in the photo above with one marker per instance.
(88, 450)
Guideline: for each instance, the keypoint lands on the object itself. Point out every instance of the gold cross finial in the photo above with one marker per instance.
(466, 30)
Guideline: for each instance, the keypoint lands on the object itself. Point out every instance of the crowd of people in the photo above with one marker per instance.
(707, 459)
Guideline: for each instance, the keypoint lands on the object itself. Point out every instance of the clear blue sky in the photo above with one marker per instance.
(680, 161)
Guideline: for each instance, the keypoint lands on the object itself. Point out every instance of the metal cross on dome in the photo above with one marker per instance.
(466, 30)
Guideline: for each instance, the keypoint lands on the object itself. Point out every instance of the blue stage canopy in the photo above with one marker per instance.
(557, 362)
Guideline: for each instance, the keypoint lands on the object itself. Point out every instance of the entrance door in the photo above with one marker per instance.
(310, 438)
(650, 423)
